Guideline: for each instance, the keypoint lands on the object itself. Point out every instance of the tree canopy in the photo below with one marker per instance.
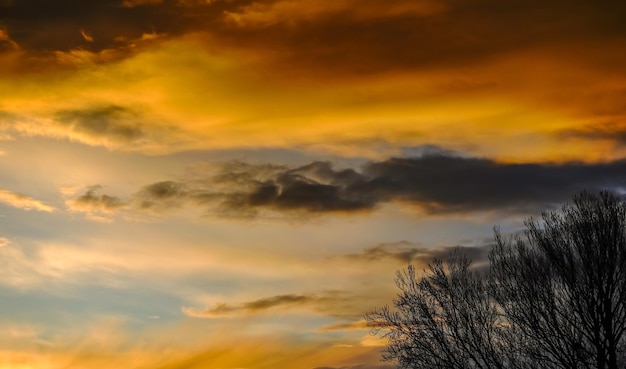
(552, 298)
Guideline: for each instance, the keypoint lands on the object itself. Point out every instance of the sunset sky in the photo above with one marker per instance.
(232, 184)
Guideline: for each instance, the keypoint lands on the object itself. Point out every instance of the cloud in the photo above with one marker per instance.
(349, 36)
(96, 205)
(457, 76)
(407, 252)
(166, 194)
(92, 200)
(24, 202)
(321, 302)
(134, 3)
(299, 189)
(435, 183)
(86, 36)
(343, 326)
(113, 121)
(613, 130)
(265, 14)
(102, 124)
(6, 43)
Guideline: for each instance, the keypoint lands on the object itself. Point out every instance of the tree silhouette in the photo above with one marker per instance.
(553, 299)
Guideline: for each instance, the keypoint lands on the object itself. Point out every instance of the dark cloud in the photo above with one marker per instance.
(614, 131)
(323, 301)
(270, 302)
(347, 36)
(114, 122)
(352, 40)
(41, 25)
(407, 252)
(291, 191)
(315, 188)
(437, 182)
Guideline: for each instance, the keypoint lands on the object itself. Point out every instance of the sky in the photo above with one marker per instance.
(230, 184)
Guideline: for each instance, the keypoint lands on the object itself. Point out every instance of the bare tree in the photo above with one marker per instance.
(564, 287)
(444, 320)
(554, 299)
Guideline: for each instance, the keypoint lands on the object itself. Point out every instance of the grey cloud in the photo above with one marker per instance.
(314, 188)
(438, 183)
(445, 184)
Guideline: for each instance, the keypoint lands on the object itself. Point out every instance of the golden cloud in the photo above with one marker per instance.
(24, 202)
(363, 84)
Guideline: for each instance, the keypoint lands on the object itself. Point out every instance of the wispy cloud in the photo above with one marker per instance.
(407, 252)
(608, 130)
(24, 202)
(345, 326)
(6, 41)
(320, 301)
(97, 206)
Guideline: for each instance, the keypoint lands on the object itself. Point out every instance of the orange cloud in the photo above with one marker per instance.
(134, 3)
(6, 41)
(291, 12)
(86, 36)
(348, 80)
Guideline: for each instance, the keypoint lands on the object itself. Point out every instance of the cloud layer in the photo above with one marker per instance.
(437, 183)
(320, 76)
(347, 34)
